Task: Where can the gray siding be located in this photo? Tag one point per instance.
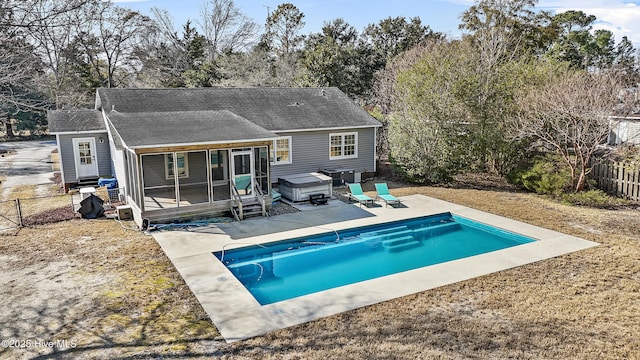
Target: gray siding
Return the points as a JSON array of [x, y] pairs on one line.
[[310, 152], [67, 156]]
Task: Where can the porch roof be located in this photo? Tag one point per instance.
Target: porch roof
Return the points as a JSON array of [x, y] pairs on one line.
[[153, 129]]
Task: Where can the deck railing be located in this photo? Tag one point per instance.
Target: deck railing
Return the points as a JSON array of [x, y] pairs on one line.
[[236, 201]]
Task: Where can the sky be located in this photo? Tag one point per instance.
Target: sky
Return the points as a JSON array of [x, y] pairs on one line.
[[619, 16]]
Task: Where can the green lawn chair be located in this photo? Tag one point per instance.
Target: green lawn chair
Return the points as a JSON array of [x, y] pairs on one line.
[[357, 194], [383, 193]]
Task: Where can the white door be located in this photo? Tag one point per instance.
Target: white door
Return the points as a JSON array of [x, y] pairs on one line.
[[242, 172], [85, 154]]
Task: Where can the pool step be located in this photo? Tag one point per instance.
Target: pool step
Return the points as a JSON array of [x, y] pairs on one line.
[[378, 236], [400, 243]]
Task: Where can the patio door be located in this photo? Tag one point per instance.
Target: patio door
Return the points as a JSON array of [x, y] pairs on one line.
[[242, 171], [85, 157]]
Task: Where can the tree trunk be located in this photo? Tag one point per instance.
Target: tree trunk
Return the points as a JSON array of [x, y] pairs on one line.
[[9, 127], [582, 180]]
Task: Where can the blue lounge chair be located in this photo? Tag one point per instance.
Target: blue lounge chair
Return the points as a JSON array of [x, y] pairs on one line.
[[383, 193], [357, 194]]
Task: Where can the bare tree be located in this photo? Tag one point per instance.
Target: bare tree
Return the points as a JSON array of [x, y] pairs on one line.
[[22, 71], [52, 37], [569, 112], [226, 28], [110, 40]]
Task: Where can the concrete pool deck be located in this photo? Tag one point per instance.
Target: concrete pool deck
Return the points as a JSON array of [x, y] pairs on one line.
[[237, 315]]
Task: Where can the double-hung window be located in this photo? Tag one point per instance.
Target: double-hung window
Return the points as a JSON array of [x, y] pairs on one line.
[[343, 145], [281, 151]]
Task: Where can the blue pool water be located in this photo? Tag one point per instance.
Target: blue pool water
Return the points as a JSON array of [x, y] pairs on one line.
[[286, 269]]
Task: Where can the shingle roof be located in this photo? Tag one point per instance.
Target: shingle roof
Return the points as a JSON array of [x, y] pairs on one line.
[[187, 127], [61, 121], [275, 109]]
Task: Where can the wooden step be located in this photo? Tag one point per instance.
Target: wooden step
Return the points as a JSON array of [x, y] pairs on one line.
[[91, 181]]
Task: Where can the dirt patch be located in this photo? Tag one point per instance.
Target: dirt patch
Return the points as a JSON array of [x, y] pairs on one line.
[[107, 291], [114, 293], [50, 216]]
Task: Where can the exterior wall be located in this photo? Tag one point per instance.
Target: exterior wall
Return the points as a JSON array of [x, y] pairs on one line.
[[624, 131], [119, 167], [67, 156], [310, 153]]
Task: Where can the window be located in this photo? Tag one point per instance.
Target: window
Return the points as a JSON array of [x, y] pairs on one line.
[[343, 145], [281, 151], [181, 165]]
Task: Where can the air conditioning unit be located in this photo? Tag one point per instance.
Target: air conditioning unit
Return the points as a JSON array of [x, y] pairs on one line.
[[340, 176]]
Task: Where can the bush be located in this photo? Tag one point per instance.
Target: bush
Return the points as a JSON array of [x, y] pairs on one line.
[[594, 198], [545, 175]]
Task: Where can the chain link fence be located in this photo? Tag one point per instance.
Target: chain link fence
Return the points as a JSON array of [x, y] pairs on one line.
[[9, 218], [18, 213]]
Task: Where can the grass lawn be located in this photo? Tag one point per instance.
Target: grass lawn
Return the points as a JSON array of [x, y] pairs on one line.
[[112, 293]]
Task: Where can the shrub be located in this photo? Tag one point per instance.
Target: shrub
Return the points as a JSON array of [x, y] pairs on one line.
[[545, 175], [594, 198]]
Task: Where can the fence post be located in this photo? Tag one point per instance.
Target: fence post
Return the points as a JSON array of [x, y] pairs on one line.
[[18, 212]]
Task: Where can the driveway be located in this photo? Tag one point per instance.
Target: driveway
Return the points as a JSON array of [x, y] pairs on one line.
[[25, 163]]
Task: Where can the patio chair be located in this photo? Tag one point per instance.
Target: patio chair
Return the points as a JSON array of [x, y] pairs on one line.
[[356, 193], [383, 193], [243, 183]]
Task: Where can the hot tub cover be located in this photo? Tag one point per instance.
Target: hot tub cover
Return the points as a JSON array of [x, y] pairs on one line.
[[304, 180]]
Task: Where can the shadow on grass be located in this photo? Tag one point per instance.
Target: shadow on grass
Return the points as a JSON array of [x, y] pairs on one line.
[[55, 331]]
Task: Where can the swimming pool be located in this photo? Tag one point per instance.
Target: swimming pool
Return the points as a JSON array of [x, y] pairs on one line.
[[291, 268]]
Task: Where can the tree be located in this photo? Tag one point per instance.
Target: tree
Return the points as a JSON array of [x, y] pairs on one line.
[[392, 36], [576, 44], [330, 58], [428, 141], [381, 42], [110, 41], [568, 111], [46, 26], [226, 29], [280, 44], [626, 61], [20, 69], [172, 60], [283, 28], [524, 30], [499, 43]]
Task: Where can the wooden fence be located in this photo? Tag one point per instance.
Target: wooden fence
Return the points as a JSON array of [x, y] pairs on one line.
[[618, 178]]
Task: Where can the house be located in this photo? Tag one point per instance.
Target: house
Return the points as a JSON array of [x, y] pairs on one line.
[[624, 130], [180, 152]]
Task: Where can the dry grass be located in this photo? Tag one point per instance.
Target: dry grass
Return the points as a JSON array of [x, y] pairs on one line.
[[116, 294]]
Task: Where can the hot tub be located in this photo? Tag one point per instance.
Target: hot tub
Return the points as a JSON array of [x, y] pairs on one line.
[[298, 187]]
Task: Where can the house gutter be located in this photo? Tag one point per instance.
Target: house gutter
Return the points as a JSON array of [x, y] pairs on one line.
[[327, 128], [202, 143]]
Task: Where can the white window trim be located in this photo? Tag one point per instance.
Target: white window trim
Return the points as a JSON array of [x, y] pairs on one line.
[[166, 166], [342, 145], [274, 151]]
